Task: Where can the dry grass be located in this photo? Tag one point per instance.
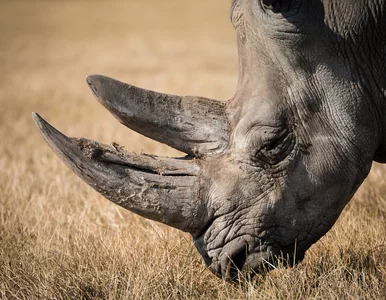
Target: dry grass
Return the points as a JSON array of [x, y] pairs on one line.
[[60, 239]]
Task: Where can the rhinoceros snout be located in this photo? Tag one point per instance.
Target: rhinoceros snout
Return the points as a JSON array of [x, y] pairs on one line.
[[243, 266]]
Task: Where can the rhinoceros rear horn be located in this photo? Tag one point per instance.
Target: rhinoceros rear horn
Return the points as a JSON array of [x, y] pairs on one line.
[[194, 125], [161, 189]]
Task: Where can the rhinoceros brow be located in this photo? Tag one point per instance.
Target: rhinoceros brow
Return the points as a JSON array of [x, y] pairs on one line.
[[271, 127]]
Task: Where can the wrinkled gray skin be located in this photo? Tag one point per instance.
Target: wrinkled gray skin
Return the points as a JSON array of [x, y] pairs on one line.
[[269, 172]]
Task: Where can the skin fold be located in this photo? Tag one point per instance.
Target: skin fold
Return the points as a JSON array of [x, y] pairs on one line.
[[267, 173]]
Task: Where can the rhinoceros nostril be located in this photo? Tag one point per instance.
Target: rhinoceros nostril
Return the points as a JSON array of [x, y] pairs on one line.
[[273, 5], [237, 263]]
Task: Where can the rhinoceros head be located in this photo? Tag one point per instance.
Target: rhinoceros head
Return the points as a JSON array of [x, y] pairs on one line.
[[268, 172]]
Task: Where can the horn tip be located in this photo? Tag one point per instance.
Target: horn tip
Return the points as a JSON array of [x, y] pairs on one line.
[[39, 121], [94, 82], [95, 78], [49, 133], [90, 78]]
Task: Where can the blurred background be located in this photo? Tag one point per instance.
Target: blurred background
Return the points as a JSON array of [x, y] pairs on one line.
[[48, 47]]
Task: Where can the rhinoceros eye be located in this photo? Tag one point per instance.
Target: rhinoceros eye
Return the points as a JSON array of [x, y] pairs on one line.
[[275, 149]]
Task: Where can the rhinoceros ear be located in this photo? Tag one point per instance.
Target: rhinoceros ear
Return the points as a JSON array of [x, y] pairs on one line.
[[194, 125], [276, 5], [380, 155]]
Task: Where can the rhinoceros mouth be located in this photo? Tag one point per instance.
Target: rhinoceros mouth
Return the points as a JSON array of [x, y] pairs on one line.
[[245, 266], [246, 256], [242, 265]]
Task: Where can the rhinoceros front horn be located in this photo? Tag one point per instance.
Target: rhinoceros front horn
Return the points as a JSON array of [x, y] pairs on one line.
[[161, 189]]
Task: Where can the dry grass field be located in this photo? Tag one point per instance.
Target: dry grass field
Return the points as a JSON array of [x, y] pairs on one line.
[[58, 238]]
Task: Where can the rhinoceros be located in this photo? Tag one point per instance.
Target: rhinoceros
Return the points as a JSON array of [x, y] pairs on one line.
[[267, 173]]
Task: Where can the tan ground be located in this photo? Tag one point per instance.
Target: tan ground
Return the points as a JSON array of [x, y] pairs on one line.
[[58, 238]]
